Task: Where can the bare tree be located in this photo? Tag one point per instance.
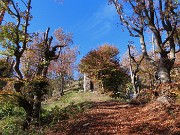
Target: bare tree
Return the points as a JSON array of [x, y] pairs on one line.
[[161, 18], [133, 72]]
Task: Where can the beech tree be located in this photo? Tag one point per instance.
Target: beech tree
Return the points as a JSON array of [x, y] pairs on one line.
[[63, 68], [43, 51], [102, 66], [17, 41], [141, 71], [162, 19]]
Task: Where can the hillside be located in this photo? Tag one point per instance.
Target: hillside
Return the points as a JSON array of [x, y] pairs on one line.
[[114, 117]]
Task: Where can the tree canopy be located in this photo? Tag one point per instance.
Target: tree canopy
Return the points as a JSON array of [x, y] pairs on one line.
[[102, 65]]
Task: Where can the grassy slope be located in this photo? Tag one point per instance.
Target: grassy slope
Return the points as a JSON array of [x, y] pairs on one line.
[[111, 117], [75, 97], [118, 118], [71, 112]]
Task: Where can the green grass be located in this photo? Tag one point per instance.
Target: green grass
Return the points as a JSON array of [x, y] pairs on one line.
[[75, 97], [53, 111], [68, 106]]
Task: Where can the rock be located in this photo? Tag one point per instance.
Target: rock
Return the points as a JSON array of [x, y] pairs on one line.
[[163, 100]]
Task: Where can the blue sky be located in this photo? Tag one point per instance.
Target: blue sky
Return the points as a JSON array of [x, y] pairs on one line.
[[92, 22]]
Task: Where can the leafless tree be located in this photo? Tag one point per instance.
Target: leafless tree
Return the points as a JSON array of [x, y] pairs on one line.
[[161, 18]]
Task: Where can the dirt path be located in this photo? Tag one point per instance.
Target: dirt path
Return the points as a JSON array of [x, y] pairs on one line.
[[115, 118]]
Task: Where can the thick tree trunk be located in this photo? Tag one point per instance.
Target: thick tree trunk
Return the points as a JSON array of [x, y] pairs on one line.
[[29, 111], [164, 69], [25, 104], [37, 112], [164, 74]]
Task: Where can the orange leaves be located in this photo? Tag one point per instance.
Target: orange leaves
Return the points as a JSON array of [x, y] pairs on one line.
[[6, 93], [108, 50], [102, 65], [104, 57]]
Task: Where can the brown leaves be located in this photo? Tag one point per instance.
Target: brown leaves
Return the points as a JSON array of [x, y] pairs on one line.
[[120, 118], [104, 57]]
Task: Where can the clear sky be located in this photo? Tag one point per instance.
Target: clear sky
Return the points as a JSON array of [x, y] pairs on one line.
[[92, 22]]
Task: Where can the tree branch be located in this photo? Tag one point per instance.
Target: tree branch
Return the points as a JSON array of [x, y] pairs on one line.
[[170, 35], [26, 26]]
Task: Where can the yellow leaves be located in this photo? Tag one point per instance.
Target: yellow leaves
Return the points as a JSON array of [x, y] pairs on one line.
[[8, 89], [6, 93]]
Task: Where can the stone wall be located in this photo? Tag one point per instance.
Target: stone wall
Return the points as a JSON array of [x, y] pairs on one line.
[[88, 84]]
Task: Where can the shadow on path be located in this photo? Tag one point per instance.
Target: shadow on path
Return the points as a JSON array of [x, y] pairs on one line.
[[109, 118]]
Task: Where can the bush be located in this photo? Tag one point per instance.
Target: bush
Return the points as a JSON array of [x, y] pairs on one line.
[[11, 125], [10, 108], [11, 116]]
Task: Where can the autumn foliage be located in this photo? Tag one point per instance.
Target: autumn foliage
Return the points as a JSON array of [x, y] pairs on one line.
[[31, 55], [102, 65]]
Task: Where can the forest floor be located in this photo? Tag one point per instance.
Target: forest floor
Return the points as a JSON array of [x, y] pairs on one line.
[[120, 118]]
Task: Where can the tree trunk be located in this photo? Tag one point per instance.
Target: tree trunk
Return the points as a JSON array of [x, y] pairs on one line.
[[61, 91], [84, 82], [164, 69], [45, 70], [29, 111], [135, 83], [134, 77], [25, 104], [164, 74], [37, 112], [16, 67]]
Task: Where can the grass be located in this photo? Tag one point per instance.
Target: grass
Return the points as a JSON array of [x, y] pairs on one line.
[[75, 97], [69, 106], [53, 111]]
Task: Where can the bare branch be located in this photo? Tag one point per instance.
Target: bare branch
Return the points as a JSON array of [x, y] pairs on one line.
[[46, 35], [18, 17], [24, 3], [162, 15], [26, 26], [170, 35], [151, 7]]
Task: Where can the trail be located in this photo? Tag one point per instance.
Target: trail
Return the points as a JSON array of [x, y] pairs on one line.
[[116, 118]]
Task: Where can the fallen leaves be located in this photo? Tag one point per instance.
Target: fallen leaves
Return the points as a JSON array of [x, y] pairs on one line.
[[106, 118]]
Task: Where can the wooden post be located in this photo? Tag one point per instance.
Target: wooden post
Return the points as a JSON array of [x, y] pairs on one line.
[[85, 82]]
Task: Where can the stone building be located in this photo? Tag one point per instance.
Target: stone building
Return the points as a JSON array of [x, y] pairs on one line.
[[88, 84]]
